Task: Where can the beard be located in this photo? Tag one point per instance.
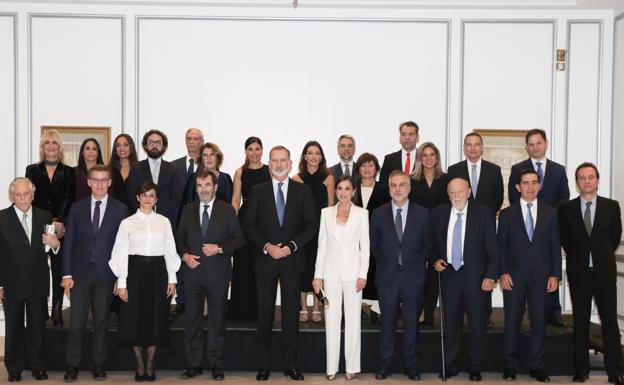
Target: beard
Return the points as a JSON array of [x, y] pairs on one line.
[[155, 153], [279, 173]]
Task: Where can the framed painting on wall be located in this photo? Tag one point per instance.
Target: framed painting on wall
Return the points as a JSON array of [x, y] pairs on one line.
[[73, 136]]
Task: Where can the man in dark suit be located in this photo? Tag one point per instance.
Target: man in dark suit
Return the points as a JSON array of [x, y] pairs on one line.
[[280, 220], [346, 165], [24, 279], [185, 168], [401, 241], [208, 234], [530, 266], [405, 158], [91, 229], [466, 255], [554, 191], [591, 229], [157, 170]]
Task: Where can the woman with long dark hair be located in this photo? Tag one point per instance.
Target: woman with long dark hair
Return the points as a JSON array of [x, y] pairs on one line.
[[89, 155], [123, 156]]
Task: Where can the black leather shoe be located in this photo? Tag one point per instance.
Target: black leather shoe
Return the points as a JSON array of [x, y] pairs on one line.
[[448, 374], [15, 377], [539, 374], [149, 377], [556, 322], [191, 372], [294, 374], [217, 374], [71, 374], [40, 375], [98, 373], [382, 374], [139, 377], [412, 374], [475, 376], [617, 380], [509, 374], [263, 375], [580, 377]]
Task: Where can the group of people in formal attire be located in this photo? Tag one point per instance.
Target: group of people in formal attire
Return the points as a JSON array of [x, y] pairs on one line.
[[145, 231]]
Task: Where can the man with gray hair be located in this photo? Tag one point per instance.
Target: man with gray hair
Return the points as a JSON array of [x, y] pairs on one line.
[[25, 279], [346, 152]]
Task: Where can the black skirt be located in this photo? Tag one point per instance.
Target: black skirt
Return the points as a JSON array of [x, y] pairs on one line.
[[144, 319]]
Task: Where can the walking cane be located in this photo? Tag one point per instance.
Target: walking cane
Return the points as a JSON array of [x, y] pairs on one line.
[[441, 326]]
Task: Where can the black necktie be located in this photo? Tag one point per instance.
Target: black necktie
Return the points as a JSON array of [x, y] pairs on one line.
[[95, 224], [398, 227], [191, 168], [205, 219]]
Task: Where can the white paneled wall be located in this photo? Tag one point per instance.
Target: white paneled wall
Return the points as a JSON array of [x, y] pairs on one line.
[[8, 102], [618, 143]]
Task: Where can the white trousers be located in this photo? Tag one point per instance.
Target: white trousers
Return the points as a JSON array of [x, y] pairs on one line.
[[335, 291]]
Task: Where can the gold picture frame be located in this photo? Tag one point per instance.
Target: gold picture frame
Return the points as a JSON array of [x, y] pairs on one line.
[[504, 148], [73, 136]]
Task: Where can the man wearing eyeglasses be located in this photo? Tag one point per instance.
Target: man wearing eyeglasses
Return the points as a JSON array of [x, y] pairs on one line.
[[159, 171]]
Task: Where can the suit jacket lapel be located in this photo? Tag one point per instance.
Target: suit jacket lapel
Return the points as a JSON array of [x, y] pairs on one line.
[[146, 171], [599, 214], [18, 223], [289, 195], [444, 232], [520, 218]]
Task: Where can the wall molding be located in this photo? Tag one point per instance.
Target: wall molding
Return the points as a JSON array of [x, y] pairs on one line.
[[13, 16], [462, 51], [33, 16], [614, 78]]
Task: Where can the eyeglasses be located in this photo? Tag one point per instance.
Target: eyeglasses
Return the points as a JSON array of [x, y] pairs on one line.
[[156, 143], [211, 155]]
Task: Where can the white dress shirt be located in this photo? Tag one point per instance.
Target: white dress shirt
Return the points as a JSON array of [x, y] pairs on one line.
[[195, 163], [20, 216], [449, 233], [403, 213], [154, 168], [102, 208], [523, 205], [478, 164], [351, 165], [146, 235], [284, 189], [412, 159], [201, 209], [534, 163]]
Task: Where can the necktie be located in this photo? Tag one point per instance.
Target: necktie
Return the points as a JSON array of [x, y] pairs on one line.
[[408, 166], [398, 227], [155, 173], [191, 168], [540, 172], [205, 219], [347, 172], [95, 224], [474, 182], [281, 203], [588, 226], [456, 246], [528, 223], [25, 225], [190, 186]]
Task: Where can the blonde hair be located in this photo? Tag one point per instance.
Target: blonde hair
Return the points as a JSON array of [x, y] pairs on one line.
[[419, 169], [55, 136]]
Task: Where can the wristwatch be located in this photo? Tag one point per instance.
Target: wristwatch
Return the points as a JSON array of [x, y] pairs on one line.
[[220, 250]]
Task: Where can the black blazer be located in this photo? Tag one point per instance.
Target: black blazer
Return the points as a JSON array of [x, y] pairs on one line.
[[429, 197], [391, 162], [223, 230], [24, 267], [337, 171], [490, 189], [554, 188], [480, 251], [602, 243], [55, 196], [529, 261], [379, 197], [168, 188], [261, 225]]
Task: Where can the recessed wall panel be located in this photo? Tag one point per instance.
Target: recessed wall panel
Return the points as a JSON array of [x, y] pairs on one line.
[[7, 101]]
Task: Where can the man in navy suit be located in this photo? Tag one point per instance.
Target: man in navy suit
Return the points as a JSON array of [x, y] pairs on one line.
[[401, 241], [554, 191], [91, 229], [466, 257], [405, 158], [346, 165], [530, 267], [159, 171]]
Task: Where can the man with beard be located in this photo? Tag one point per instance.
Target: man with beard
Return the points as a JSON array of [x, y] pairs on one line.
[[405, 158], [208, 235], [157, 170], [346, 166], [280, 220]]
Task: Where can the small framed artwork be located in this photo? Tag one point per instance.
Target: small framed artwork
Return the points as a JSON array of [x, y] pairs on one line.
[[73, 136]]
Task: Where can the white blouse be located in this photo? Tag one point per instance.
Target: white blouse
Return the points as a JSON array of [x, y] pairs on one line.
[[147, 235]]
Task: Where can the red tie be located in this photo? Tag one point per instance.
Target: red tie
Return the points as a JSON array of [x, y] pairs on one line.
[[407, 169]]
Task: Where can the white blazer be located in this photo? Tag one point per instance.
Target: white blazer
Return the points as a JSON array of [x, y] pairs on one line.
[[343, 255]]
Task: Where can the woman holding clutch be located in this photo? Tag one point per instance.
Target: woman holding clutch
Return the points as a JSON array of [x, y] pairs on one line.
[[341, 267]]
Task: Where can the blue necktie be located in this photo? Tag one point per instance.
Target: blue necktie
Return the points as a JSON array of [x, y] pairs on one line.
[[540, 172], [398, 227], [473, 181], [281, 203], [456, 246], [528, 223]]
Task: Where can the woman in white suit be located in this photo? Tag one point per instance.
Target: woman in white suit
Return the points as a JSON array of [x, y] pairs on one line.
[[341, 266]]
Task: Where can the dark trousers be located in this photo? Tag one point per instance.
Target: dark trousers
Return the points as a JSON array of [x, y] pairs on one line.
[[431, 293], [534, 295], [216, 295], [88, 292], [180, 290], [605, 295], [402, 293], [266, 290], [24, 347], [457, 298], [552, 305]]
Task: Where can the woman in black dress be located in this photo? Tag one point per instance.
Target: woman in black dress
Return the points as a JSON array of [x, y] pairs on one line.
[[429, 190], [370, 194], [90, 154], [54, 191], [243, 289], [122, 158], [211, 158], [314, 173]]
